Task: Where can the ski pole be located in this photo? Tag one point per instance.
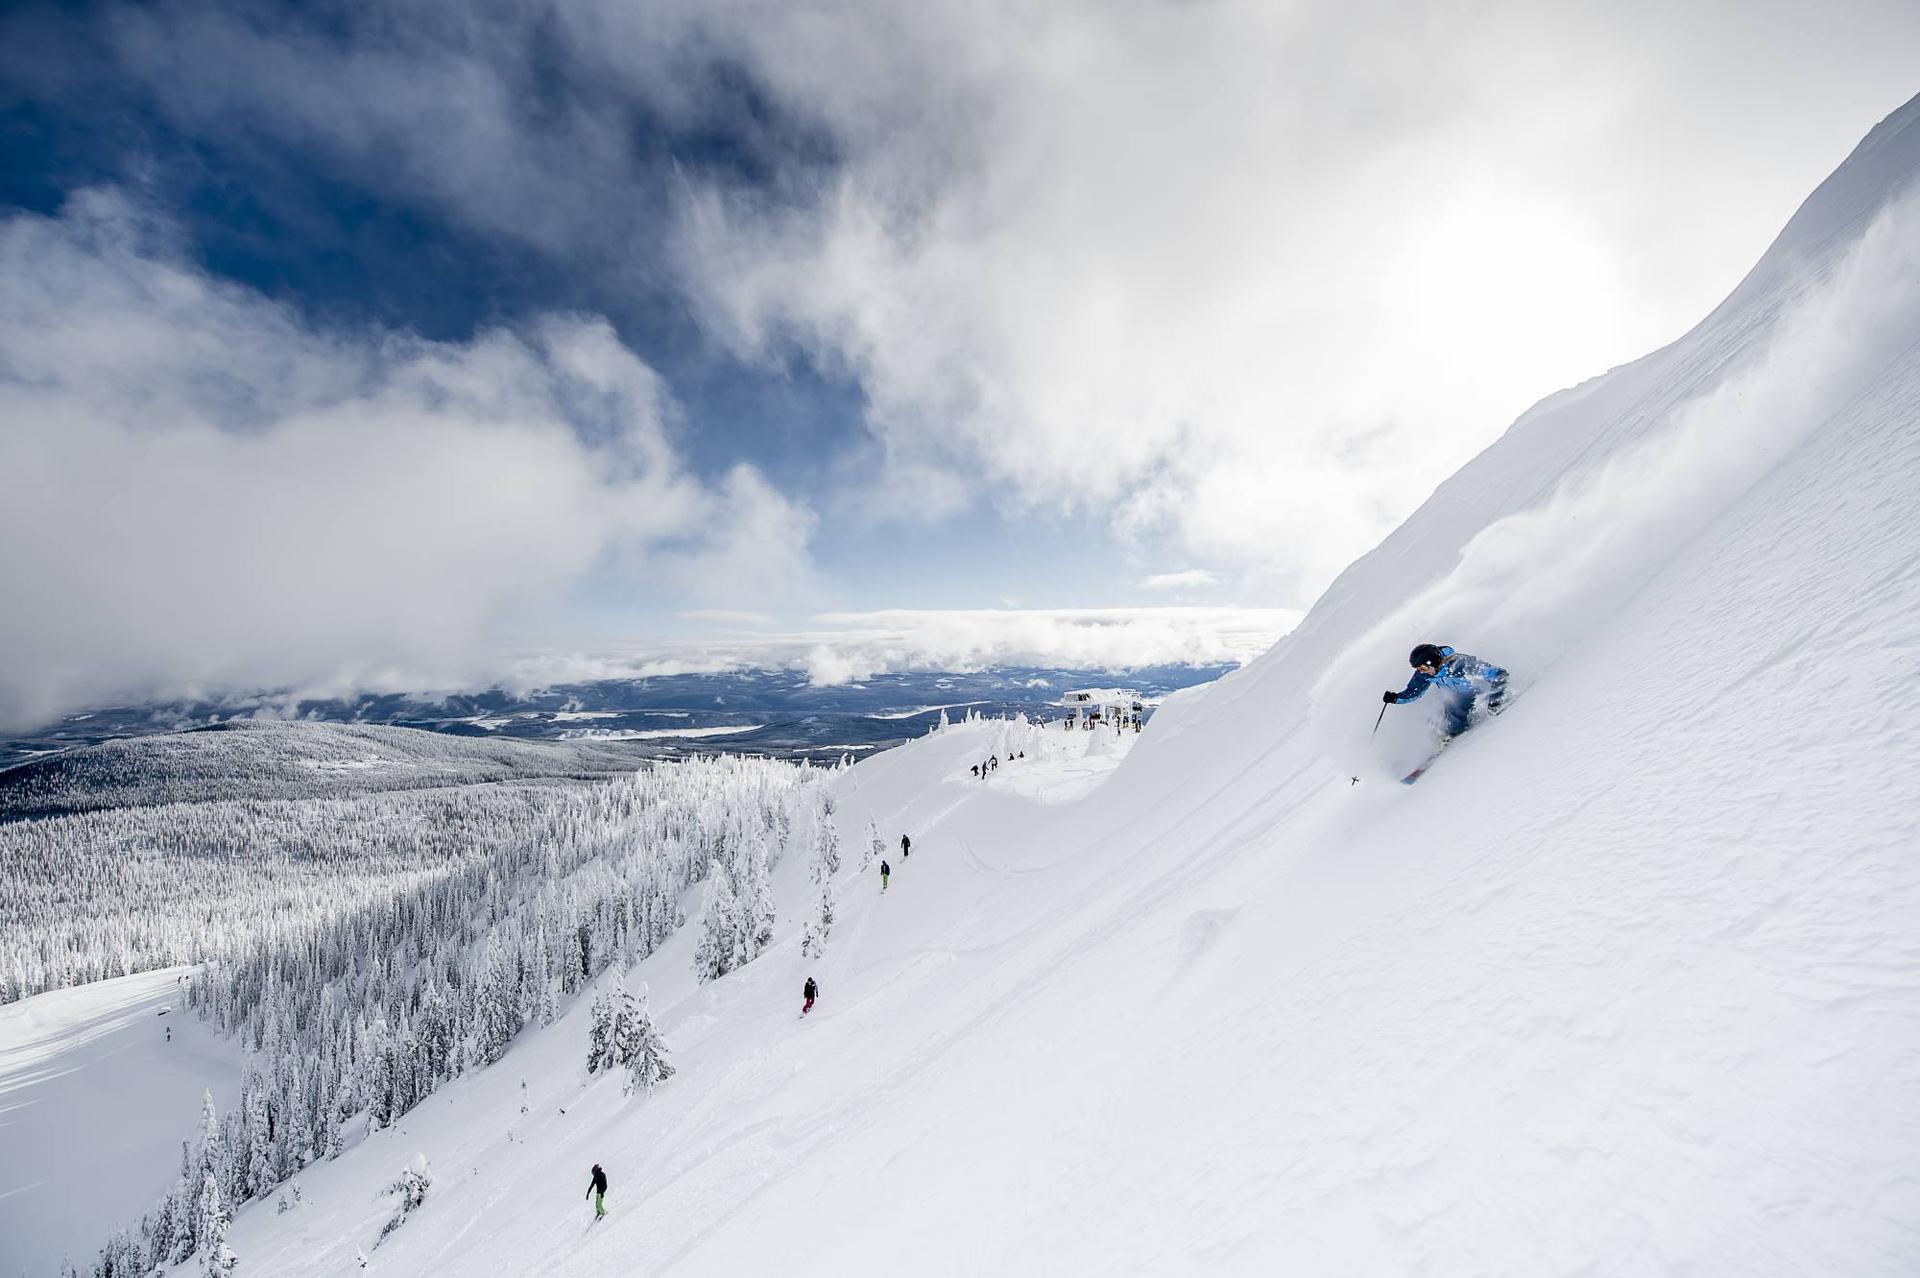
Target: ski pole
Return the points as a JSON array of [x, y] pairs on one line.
[[1376, 722]]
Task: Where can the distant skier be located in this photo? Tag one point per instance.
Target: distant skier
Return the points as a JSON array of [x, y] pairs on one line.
[[811, 991], [597, 1190], [906, 847], [1462, 679], [885, 870]]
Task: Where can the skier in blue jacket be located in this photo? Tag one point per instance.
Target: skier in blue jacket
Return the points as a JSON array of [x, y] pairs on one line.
[[1460, 678]]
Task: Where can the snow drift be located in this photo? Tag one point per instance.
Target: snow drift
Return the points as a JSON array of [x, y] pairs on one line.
[[1629, 984]]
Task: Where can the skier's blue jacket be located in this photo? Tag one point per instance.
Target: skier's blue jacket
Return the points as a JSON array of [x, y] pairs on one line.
[[1460, 677]]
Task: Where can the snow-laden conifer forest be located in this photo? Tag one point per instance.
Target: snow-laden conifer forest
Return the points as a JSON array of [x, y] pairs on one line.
[[367, 944], [266, 759]]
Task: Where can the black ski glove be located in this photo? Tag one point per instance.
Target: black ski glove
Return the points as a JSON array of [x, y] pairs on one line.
[[1389, 697]]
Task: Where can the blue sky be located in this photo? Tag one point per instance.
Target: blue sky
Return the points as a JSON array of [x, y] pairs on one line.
[[346, 250], [574, 324]]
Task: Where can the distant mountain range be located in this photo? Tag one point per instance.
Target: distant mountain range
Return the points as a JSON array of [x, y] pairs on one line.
[[771, 712]]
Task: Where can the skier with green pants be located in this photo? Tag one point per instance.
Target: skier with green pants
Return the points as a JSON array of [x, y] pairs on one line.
[[597, 1188]]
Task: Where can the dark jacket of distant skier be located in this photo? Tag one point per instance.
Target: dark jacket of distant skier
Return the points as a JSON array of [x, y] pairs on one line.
[[1459, 678]]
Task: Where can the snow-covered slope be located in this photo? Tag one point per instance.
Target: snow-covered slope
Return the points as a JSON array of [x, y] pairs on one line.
[[98, 1085], [1629, 984]]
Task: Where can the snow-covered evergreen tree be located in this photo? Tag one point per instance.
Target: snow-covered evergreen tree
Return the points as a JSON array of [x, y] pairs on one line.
[[377, 1071], [757, 933], [159, 1230], [826, 862], [650, 1063], [434, 1028], [779, 823], [213, 1159], [122, 1257], [184, 1210], [260, 1158], [296, 1150], [497, 1007], [410, 1189], [210, 1226], [599, 1033], [336, 1134], [626, 1023], [826, 836], [823, 913], [720, 926]]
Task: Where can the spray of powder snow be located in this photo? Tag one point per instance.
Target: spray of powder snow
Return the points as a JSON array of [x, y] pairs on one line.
[[1531, 587]]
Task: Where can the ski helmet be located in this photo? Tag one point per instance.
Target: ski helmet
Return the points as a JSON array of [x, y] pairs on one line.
[[1426, 654]]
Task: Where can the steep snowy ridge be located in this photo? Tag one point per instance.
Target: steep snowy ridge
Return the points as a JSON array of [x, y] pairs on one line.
[[1628, 984], [1528, 549], [1880, 170]]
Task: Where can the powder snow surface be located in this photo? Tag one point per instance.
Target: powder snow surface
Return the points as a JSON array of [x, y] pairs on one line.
[[94, 1102], [1628, 984]]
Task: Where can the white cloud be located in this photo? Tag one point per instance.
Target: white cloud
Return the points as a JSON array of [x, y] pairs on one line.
[[849, 647], [1247, 279], [830, 665], [199, 492], [1253, 278], [859, 645], [1187, 579], [726, 617], [533, 672]]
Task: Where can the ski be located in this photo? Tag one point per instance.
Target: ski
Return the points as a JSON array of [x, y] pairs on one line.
[[1432, 759]]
